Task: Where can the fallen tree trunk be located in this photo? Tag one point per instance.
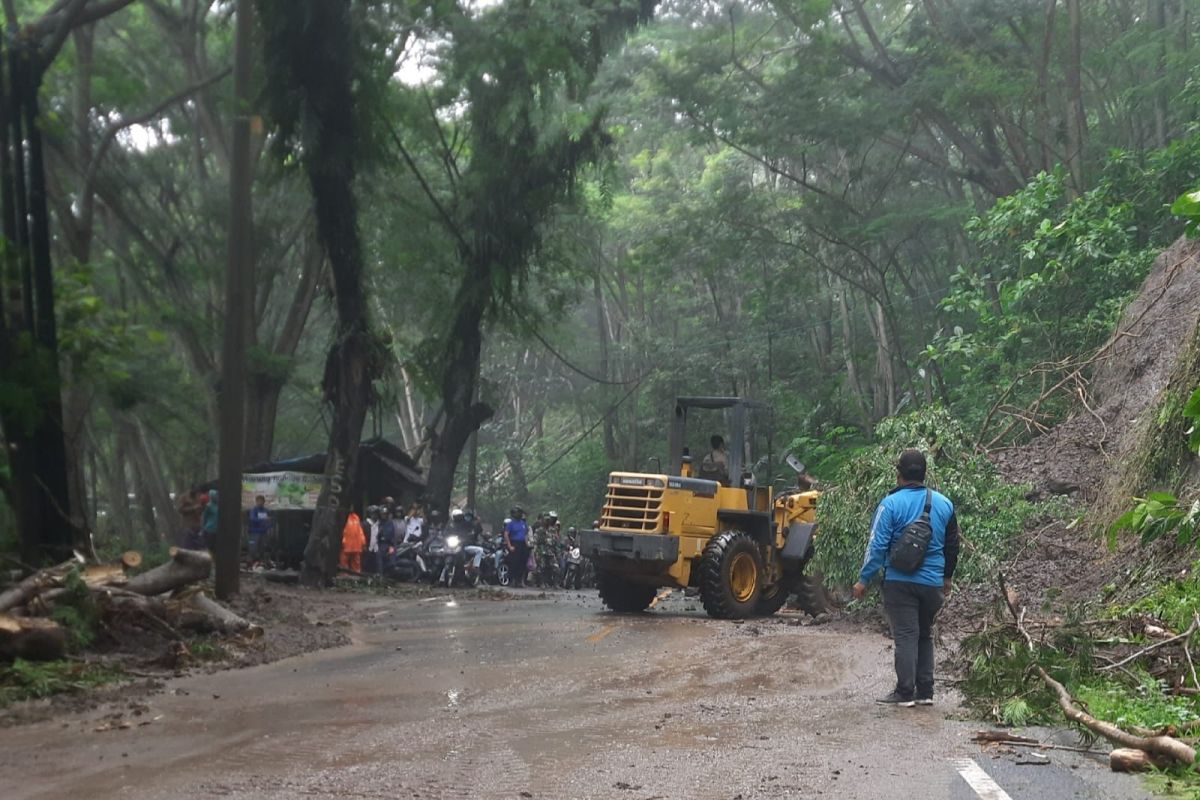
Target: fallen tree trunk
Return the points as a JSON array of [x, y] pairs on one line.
[[31, 638], [1166, 747], [185, 566], [20, 594], [220, 618]]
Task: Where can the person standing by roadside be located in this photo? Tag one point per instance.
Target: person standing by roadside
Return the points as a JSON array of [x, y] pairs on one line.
[[258, 523], [912, 597], [516, 539], [353, 542], [209, 520], [191, 537], [373, 563]]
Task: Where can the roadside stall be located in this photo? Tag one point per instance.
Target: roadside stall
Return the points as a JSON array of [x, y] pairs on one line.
[[291, 487]]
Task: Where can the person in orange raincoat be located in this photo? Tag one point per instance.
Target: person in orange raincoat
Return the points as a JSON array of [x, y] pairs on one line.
[[353, 542]]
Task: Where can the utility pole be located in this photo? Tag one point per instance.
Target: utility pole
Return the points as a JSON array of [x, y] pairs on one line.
[[233, 351]]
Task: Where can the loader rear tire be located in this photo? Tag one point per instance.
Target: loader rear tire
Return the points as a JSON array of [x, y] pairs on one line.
[[622, 595], [731, 576], [811, 597]]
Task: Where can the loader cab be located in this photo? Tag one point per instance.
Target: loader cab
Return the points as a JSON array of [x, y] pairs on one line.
[[744, 427]]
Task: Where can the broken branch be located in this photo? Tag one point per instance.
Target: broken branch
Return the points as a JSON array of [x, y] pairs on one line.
[[1163, 746]]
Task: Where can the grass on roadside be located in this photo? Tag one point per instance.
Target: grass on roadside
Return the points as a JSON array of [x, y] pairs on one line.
[[25, 680]]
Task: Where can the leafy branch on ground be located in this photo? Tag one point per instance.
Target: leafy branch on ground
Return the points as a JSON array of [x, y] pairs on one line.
[[1134, 668]]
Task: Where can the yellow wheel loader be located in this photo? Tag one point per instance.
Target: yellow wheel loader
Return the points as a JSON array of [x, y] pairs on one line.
[[708, 524]]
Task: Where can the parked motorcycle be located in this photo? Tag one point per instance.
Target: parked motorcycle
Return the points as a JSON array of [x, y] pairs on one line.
[[454, 564], [436, 555], [572, 577], [404, 562], [494, 569]]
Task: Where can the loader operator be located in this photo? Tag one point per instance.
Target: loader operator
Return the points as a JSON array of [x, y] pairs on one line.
[[715, 465], [912, 598]]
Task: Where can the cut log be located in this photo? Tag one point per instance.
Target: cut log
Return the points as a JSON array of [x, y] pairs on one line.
[[132, 559], [20, 594], [97, 575], [185, 566], [31, 638], [1129, 759]]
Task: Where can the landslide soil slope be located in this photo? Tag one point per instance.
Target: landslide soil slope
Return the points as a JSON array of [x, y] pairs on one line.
[[1059, 562]]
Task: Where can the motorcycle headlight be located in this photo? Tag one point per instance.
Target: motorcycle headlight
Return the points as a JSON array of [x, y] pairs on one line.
[[451, 541]]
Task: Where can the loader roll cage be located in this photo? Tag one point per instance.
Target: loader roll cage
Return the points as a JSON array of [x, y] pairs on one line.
[[735, 442]]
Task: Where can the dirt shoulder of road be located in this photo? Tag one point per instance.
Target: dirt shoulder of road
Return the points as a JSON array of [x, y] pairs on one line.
[[294, 621]]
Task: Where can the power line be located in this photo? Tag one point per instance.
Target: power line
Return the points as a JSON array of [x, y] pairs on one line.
[[680, 348], [586, 433]]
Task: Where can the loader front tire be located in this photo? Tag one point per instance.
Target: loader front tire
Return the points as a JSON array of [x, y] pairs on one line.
[[731, 576], [622, 595]]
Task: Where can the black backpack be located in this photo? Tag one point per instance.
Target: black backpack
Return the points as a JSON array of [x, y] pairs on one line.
[[908, 550]]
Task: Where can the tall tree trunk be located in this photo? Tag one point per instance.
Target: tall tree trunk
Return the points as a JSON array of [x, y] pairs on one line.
[[1042, 113], [239, 301], [1076, 119], [38, 489], [117, 483], [853, 384], [462, 414], [265, 388], [1159, 16], [313, 49], [152, 486]]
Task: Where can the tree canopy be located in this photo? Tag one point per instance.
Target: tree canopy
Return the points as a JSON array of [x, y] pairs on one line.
[[535, 222]]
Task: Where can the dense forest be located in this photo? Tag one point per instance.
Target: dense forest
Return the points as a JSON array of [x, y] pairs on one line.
[[542, 221]]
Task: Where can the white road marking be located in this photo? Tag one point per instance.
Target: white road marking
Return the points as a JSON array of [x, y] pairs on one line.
[[980, 781]]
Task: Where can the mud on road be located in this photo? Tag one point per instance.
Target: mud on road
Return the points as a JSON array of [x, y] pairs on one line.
[[450, 697]]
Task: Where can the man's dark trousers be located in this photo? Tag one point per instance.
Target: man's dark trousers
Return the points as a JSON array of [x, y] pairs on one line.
[[911, 608]]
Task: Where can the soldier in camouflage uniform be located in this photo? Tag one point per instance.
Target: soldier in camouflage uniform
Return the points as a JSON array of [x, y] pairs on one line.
[[546, 551]]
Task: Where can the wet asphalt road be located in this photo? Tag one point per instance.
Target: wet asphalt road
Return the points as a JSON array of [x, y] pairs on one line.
[[543, 698]]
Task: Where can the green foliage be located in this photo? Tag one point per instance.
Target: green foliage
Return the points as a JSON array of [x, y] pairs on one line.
[[77, 612], [1000, 683], [1160, 514], [1016, 712], [1187, 206], [1053, 273], [1156, 515], [829, 450], [1147, 704], [24, 680], [1174, 602], [990, 511]]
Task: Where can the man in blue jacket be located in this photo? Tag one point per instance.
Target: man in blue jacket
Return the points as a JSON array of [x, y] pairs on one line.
[[912, 599]]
